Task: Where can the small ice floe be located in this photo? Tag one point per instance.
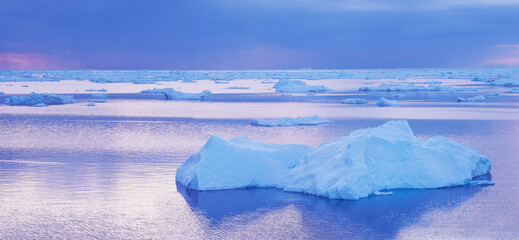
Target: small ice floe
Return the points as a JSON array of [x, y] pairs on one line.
[[514, 90], [507, 82], [494, 94], [383, 102], [39, 100], [481, 182], [171, 94], [286, 121], [298, 86], [234, 87], [96, 90], [478, 99], [433, 82], [398, 95], [354, 101], [482, 79], [380, 193], [189, 81]]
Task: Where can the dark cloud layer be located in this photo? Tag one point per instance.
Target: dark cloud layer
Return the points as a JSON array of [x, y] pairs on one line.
[[228, 34]]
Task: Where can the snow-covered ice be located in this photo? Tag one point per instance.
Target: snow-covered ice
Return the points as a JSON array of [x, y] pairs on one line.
[[298, 86], [482, 182], [356, 166], [171, 94], [507, 82], [286, 121], [494, 94], [354, 101], [383, 102], [39, 100], [380, 193], [234, 87], [478, 98], [395, 87]]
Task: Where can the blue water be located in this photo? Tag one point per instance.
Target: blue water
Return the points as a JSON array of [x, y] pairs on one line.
[[100, 177]]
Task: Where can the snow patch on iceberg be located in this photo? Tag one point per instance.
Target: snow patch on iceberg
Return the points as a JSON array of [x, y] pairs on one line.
[[172, 94], [359, 165], [286, 121], [298, 86], [39, 100], [239, 163]]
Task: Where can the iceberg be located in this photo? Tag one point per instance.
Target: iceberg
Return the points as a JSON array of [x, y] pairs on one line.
[[354, 101], [383, 102], [171, 94], [39, 100], [478, 98], [286, 121], [239, 163], [298, 86], [367, 162]]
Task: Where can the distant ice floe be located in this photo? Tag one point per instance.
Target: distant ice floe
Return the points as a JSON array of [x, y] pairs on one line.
[[494, 94], [367, 162], [2, 93], [383, 102], [295, 86], [398, 95], [39, 100], [507, 82], [393, 87], [233, 87], [189, 81], [354, 101], [482, 79], [514, 90], [96, 90], [478, 98], [286, 121], [172, 94]]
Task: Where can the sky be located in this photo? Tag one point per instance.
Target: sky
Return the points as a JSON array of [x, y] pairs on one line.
[[257, 34]]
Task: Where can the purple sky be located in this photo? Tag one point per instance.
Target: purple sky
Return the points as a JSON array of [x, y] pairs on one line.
[[257, 34]]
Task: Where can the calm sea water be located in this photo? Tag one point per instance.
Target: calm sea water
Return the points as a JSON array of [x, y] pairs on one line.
[[86, 177]]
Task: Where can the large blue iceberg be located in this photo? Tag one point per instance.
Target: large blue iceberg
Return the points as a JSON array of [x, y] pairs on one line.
[[355, 166]]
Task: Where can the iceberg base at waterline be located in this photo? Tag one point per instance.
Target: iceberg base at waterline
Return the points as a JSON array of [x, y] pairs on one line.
[[362, 164]]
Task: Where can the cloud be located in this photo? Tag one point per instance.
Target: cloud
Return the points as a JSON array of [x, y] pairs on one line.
[[34, 61], [504, 55]]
